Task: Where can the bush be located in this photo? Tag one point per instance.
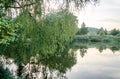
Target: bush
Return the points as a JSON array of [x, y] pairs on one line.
[[80, 38], [94, 39]]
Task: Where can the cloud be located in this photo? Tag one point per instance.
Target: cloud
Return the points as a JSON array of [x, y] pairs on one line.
[[110, 20], [106, 14]]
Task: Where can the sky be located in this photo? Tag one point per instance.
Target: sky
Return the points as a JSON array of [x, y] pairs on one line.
[[105, 14]]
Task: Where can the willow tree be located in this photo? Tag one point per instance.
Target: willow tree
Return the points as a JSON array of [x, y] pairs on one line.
[[44, 35], [38, 6], [30, 10], [56, 31]]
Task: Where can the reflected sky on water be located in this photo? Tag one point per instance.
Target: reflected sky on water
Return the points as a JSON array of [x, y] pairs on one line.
[[83, 63], [96, 65]]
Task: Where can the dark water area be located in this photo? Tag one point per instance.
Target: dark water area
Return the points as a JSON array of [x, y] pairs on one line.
[[78, 62]]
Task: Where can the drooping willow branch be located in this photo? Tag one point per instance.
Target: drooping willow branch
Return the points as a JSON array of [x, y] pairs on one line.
[[22, 6]]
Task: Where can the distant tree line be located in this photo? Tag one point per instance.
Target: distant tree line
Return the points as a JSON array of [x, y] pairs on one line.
[[114, 32], [100, 35], [84, 30]]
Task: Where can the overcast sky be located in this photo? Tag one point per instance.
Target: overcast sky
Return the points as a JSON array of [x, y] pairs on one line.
[[105, 14]]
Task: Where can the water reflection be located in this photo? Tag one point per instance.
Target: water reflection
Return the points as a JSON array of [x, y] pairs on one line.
[[40, 66], [96, 65], [86, 61], [100, 46], [96, 61]]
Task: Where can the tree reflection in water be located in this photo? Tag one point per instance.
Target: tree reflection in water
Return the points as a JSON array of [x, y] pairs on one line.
[[50, 66], [40, 66], [100, 46], [83, 50]]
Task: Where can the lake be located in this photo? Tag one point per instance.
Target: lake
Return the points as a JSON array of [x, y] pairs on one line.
[[83, 62], [96, 65]]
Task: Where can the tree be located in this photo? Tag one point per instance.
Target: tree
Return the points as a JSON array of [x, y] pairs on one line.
[[24, 5], [39, 6], [60, 61], [11, 4], [50, 35], [118, 34], [102, 32], [83, 30], [114, 32], [58, 30]]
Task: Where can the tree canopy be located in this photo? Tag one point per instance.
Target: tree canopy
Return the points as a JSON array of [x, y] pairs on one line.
[[53, 32], [102, 32], [38, 7], [11, 3], [115, 32], [83, 30]]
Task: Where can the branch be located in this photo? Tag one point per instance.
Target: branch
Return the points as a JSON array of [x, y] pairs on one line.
[[22, 6]]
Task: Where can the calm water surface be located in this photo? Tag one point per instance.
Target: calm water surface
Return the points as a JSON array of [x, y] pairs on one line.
[[96, 65], [87, 63]]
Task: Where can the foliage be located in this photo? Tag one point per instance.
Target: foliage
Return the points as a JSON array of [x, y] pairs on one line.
[[8, 32], [114, 32], [115, 48], [5, 74], [38, 6], [80, 38], [56, 31], [118, 34], [96, 39], [83, 30], [20, 50], [6, 3], [60, 61], [102, 32], [2, 13], [50, 35], [99, 45]]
